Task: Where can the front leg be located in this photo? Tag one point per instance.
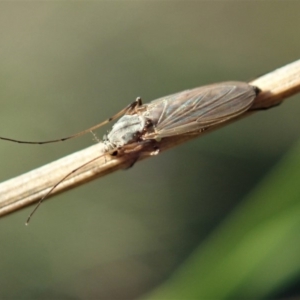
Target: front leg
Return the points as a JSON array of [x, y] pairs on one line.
[[138, 149]]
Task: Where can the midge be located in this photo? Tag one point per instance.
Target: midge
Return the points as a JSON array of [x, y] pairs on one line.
[[145, 125]]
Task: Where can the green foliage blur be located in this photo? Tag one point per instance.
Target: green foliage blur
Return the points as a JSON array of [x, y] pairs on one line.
[[255, 251], [216, 218]]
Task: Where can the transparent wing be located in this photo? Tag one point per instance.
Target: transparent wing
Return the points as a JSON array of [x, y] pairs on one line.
[[202, 107]]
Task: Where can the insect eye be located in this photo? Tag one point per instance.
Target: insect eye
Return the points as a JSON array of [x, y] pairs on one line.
[[148, 124], [114, 153]]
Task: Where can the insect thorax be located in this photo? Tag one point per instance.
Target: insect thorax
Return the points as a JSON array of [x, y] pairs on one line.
[[127, 130]]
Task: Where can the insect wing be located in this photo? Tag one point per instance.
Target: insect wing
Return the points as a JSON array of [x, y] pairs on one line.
[[198, 108]]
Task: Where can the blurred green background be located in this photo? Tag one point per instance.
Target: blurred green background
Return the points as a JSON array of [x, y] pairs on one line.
[[216, 218]]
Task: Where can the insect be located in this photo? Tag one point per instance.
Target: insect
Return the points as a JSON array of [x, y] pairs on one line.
[[143, 125]]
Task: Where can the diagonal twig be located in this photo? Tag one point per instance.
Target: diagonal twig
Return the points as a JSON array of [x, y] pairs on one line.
[[30, 187]]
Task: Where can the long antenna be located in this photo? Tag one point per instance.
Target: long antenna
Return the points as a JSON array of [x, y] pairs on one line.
[[57, 184], [129, 108]]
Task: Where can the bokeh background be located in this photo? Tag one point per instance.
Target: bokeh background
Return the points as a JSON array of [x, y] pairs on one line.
[[215, 218]]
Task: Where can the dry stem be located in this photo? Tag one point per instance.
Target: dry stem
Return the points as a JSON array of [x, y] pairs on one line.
[[28, 188]]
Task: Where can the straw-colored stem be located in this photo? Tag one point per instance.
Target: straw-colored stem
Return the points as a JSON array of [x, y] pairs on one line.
[[30, 187]]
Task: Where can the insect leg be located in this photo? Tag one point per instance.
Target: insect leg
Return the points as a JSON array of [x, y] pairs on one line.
[[134, 105], [141, 148], [265, 108]]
